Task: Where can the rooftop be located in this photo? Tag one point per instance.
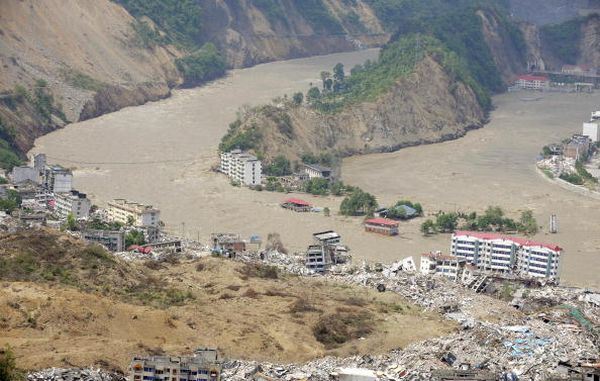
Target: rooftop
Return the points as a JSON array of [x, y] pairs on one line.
[[517, 240], [382, 222], [533, 78], [296, 201], [318, 167], [326, 235]]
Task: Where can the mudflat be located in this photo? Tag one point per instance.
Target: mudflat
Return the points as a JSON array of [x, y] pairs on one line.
[[161, 153]]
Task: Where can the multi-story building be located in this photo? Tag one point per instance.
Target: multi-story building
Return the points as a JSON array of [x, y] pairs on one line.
[[578, 148], [58, 179], [449, 266], [533, 82], [203, 365], [125, 211], [23, 174], [73, 202], [113, 240], [326, 252], [591, 130], [317, 171], [242, 167], [501, 253]]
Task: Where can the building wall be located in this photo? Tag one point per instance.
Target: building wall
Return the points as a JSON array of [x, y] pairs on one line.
[[591, 130], [67, 203], [503, 255], [121, 211], [21, 174]]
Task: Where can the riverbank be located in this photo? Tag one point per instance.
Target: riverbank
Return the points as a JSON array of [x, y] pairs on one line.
[[161, 153]]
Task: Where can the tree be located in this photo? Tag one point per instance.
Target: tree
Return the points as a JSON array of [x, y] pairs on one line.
[[71, 223], [8, 366], [134, 237], [358, 203], [528, 223], [313, 94], [427, 227], [325, 75], [317, 186], [279, 167], [338, 72], [298, 98], [446, 222], [397, 212], [326, 211]]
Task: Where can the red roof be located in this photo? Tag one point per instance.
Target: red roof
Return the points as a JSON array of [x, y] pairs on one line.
[[382, 221], [296, 201], [533, 78], [517, 240]]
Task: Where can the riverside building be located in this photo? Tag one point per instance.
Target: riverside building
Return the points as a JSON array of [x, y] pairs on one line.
[[507, 254], [124, 211], [241, 167]]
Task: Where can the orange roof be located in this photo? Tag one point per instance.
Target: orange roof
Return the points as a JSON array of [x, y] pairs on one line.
[[382, 222]]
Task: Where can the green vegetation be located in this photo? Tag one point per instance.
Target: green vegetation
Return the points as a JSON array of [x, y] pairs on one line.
[[493, 219], [572, 178], [236, 138], [181, 20], [272, 9], [563, 39], [71, 223], [323, 158], [80, 80], [203, 65], [134, 237], [98, 224], [298, 98], [317, 186], [8, 366], [318, 16], [398, 59], [584, 174], [399, 213], [358, 203], [344, 325], [11, 202]]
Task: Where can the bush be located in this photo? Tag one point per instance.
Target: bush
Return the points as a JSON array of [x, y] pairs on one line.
[[8, 367], [572, 178], [358, 203], [340, 327], [202, 65], [279, 167]]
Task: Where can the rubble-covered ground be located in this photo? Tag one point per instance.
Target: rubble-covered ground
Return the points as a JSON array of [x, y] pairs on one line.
[[526, 333]]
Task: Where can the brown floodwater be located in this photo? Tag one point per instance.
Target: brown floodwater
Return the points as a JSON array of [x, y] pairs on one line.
[[162, 153]]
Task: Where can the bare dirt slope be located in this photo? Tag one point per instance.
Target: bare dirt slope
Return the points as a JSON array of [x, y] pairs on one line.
[[61, 40], [246, 311], [423, 107]]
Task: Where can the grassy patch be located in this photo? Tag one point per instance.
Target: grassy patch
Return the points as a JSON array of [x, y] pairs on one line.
[[81, 81], [342, 326]]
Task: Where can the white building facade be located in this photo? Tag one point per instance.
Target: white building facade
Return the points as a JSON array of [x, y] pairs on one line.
[[242, 167], [74, 203], [58, 179], [448, 266], [507, 254], [592, 131], [124, 211], [533, 82]]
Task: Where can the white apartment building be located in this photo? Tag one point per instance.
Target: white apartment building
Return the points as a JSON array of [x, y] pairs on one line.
[[592, 131], [74, 203], [123, 211], [449, 266], [204, 365], [242, 167], [501, 253]]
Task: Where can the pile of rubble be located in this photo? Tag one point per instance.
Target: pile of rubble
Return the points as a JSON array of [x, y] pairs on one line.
[[73, 374]]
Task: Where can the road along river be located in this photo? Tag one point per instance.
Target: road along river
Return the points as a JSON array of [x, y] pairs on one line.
[[161, 153]]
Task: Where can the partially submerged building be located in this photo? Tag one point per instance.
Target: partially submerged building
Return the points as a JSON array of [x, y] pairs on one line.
[[578, 148], [203, 365], [58, 179], [533, 82], [227, 243], [296, 205], [383, 226], [241, 167], [507, 254]]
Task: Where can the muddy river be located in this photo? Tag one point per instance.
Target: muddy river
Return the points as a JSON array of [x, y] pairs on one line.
[[161, 153]]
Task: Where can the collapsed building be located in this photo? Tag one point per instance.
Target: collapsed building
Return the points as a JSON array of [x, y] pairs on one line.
[[326, 251]]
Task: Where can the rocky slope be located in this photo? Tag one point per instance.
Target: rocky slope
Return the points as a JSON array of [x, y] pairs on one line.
[[249, 33], [426, 106]]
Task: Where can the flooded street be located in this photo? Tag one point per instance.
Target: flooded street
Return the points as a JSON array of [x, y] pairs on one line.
[[161, 153]]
